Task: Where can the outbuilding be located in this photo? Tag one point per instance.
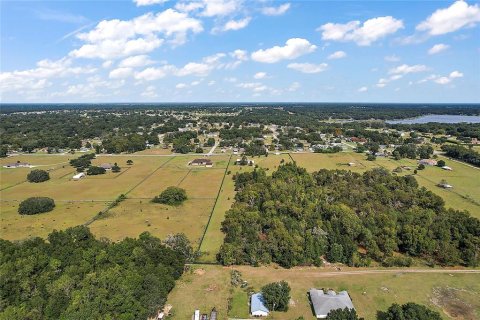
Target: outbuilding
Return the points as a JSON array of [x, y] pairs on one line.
[[78, 176], [257, 306]]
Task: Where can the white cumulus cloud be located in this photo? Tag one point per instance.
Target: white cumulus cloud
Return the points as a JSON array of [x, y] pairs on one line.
[[260, 75], [140, 3], [136, 61], [362, 89], [233, 25], [308, 67], [337, 55], [362, 34], [293, 48], [438, 48], [276, 11], [120, 73], [459, 15], [405, 69]]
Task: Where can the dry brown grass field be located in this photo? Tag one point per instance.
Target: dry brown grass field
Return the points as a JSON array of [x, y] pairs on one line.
[[134, 216], [14, 226]]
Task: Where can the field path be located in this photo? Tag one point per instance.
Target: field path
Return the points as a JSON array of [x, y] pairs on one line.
[[319, 272]]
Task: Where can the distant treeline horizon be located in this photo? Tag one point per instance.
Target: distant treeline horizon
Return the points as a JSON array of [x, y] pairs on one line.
[[411, 109]]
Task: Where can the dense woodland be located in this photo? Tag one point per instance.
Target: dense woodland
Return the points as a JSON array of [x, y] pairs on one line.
[[75, 276], [462, 153], [294, 218]]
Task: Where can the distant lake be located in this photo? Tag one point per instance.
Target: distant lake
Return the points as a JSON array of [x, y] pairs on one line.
[[443, 118]]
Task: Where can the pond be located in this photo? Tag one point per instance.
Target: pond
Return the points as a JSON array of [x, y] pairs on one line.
[[440, 118]]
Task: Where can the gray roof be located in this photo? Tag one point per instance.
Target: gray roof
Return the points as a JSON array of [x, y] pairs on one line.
[[323, 303]]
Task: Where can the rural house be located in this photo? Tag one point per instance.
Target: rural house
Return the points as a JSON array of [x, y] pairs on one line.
[[201, 162], [106, 166], [17, 164], [428, 162], [323, 303]]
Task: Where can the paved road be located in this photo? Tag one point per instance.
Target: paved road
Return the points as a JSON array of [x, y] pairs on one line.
[[213, 148]]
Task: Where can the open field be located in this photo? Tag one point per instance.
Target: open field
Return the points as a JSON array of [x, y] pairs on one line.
[[209, 286], [146, 178], [134, 216], [57, 165], [66, 214]]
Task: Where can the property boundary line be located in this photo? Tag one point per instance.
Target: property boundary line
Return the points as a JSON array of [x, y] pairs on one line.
[[214, 205], [148, 176]]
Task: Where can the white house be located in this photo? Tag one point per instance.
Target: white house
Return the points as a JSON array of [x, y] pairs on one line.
[[257, 306], [78, 176]]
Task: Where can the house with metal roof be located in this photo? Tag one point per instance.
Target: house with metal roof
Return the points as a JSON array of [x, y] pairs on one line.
[[324, 302], [257, 306]]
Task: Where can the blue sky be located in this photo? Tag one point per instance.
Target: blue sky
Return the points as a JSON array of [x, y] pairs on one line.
[[228, 50]]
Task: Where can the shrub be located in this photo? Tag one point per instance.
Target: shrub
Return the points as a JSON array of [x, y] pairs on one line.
[[38, 175], [441, 163], [409, 311], [116, 168], [172, 196], [36, 205], [129, 162], [343, 314], [93, 171]]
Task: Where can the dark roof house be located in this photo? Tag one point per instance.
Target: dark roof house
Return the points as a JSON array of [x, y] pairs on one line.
[[201, 162]]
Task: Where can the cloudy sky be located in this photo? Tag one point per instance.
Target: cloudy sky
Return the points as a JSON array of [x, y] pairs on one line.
[[232, 50]]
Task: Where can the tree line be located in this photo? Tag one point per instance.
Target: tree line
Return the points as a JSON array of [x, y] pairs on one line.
[[296, 218]]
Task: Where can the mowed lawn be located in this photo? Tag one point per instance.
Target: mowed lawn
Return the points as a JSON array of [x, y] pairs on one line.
[[209, 286], [14, 226], [134, 216]]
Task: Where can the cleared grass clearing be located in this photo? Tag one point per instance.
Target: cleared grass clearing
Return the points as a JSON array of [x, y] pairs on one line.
[[66, 214], [316, 161], [134, 216], [202, 287], [369, 292], [157, 182], [203, 183]]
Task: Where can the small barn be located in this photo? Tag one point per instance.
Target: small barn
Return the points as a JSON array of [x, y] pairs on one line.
[[257, 306], [78, 176]]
